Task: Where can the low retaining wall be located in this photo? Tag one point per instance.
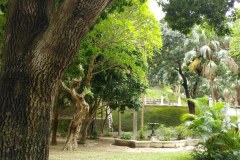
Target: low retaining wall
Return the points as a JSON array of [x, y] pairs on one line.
[[156, 144]]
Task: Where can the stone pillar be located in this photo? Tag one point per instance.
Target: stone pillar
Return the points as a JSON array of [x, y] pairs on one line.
[[210, 101], [142, 113], [134, 123], [119, 123], [179, 101], [110, 118], [161, 101], [142, 117]]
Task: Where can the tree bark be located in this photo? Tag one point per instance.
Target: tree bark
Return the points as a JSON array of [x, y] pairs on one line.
[[89, 119], [191, 105], [54, 126], [40, 42], [82, 109], [84, 130]]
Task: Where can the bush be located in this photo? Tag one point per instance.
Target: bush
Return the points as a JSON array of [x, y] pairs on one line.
[[222, 146], [94, 135], [142, 133], [63, 127], [222, 141], [107, 134], [166, 133], [182, 131], [126, 136]]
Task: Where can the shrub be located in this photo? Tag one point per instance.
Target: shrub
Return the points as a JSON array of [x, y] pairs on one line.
[[182, 131], [107, 134], [126, 136], [142, 132], [222, 146], [94, 135], [222, 141], [166, 133]]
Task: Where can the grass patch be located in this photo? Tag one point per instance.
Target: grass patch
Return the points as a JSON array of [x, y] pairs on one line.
[[91, 155], [153, 93]]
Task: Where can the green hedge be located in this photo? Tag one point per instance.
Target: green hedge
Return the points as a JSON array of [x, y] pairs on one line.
[[168, 115]]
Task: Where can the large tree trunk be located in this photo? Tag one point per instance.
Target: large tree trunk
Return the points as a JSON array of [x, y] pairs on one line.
[[89, 119], [54, 125], [74, 129], [84, 129], [82, 110], [40, 42]]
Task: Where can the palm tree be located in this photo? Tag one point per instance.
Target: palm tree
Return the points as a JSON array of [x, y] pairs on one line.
[[214, 62]]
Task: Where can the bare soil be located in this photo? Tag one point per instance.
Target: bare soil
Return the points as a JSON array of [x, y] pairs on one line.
[[107, 144]]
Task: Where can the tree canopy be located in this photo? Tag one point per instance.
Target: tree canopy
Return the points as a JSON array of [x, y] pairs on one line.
[[183, 15]]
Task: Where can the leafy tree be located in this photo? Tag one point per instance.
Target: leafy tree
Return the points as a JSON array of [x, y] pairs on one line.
[[214, 62], [183, 15], [171, 70], [234, 48], [119, 41]]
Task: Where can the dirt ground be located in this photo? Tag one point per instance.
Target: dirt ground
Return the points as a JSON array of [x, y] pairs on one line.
[[107, 144], [104, 149]]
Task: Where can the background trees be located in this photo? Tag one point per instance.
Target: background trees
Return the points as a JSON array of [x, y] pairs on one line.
[[183, 15], [114, 57]]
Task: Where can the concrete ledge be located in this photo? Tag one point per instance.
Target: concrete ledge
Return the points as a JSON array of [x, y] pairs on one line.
[[155, 144]]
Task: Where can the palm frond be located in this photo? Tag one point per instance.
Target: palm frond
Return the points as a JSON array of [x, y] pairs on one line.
[[189, 56], [231, 64], [214, 45], [196, 63], [206, 52], [209, 70]]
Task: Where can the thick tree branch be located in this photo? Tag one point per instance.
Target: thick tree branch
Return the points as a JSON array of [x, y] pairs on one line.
[[90, 70], [26, 20]]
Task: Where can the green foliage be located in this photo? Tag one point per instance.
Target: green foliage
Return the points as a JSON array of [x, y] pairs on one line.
[[126, 136], [88, 91], [121, 43], [94, 135], [166, 133], [165, 91], [63, 126], [183, 15], [107, 134], [220, 142], [121, 39], [142, 132], [173, 132], [222, 146], [169, 116], [234, 42], [182, 131], [119, 89], [165, 66]]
